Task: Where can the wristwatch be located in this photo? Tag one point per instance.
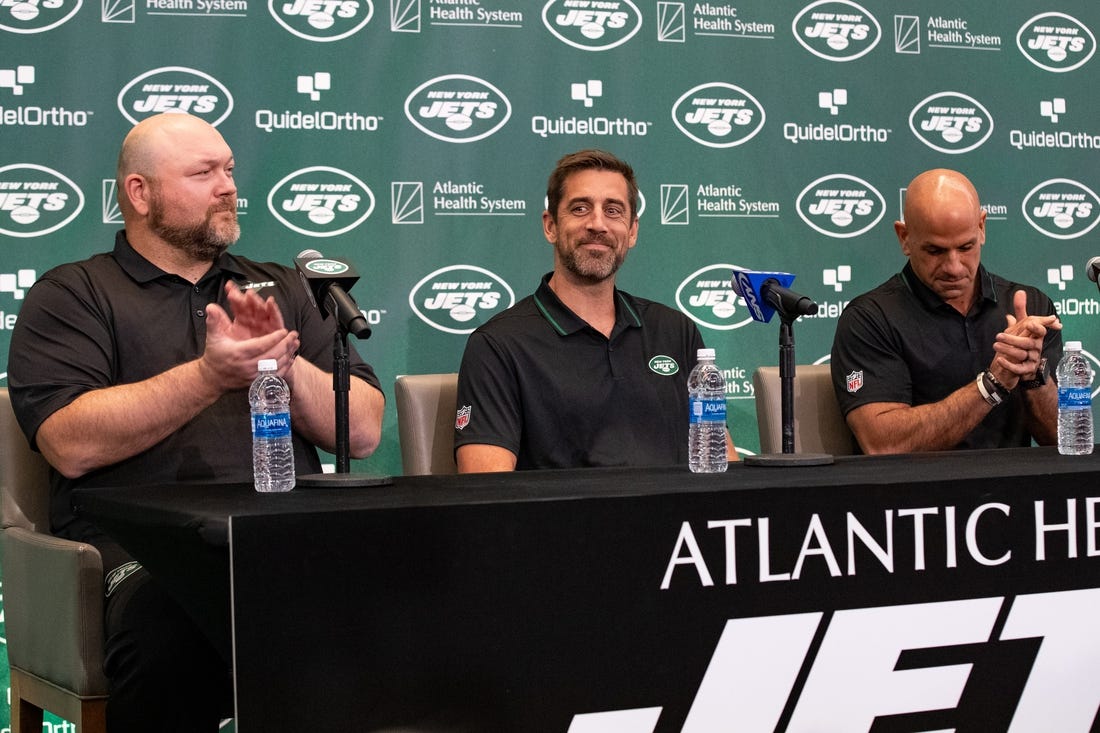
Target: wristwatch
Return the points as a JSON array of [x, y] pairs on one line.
[[1038, 379]]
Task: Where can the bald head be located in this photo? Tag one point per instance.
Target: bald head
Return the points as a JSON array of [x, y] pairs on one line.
[[148, 144], [937, 192], [943, 234]]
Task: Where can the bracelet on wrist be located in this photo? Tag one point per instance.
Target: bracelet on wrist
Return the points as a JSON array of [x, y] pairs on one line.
[[986, 389]]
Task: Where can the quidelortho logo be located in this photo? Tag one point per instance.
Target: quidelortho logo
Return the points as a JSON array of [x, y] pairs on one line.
[[1062, 208], [322, 20], [587, 93], [459, 298], [706, 296], [836, 30], [33, 16], [840, 206], [951, 122], [592, 25], [718, 115], [36, 200], [321, 201], [1056, 42], [17, 82], [175, 89], [458, 108]]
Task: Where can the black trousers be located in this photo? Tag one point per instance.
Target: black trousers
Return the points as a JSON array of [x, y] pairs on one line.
[[163, 673]]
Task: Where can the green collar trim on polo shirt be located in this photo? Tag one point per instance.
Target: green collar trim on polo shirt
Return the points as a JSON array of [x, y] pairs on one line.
[[546, 314], [629, 309]]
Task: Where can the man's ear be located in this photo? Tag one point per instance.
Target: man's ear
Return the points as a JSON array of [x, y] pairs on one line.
[[902, 233], [136, 189]]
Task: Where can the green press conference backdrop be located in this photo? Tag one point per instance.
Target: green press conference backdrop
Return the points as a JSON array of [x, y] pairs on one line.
[[414, 137]]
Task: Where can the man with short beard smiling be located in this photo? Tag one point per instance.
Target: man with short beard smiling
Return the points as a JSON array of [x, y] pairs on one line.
[[132, 368], [579, 373]]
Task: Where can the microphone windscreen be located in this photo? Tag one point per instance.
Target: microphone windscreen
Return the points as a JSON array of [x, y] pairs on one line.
[[1092, 268], [309, 254]]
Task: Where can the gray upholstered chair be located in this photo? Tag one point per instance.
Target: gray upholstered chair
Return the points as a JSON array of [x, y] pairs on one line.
[[426, 406], [818, 425], [53, 598]]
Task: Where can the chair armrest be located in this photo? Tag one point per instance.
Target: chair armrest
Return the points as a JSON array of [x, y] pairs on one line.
[[53, 609]]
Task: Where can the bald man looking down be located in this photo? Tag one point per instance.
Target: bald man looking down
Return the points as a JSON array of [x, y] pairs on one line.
[[945, 354]]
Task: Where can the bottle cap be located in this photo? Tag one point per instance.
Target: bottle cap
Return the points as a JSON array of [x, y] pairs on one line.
[[267, 365], [1073, 346], [704, 354]]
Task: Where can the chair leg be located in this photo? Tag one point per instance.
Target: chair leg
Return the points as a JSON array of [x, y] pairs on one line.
[[93, 717], [25, 716]]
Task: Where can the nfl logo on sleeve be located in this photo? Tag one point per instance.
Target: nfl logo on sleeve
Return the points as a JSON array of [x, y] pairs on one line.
[[462, 417], [855, 381]]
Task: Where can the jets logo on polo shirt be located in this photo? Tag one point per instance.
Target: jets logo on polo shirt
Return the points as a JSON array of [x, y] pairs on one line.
[[666, 366]]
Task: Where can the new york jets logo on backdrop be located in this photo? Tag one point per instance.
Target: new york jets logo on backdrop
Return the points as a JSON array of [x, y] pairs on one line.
[[1056, 42], [175, 89], [321, 201], [718, 115], [459, 298], [706, 296], [322, 20], [457, 108], [1062, 208], [36, 200], [32, 16], [836, 30], [592, 25], [951, 122], [840, 206]]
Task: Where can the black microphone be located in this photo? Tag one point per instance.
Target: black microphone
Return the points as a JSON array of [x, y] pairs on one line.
[[327, 282], [1092, 268], [767, 292]]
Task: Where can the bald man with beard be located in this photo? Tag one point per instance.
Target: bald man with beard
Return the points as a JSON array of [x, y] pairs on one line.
[[132, 368], [945, 354]]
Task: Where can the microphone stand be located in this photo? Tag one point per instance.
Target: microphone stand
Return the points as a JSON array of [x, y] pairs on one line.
[[786, 384], [341, 385]]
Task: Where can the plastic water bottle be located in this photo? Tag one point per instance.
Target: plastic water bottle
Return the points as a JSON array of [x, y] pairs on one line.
[[272, 446], [1074, 402], [707, 416]]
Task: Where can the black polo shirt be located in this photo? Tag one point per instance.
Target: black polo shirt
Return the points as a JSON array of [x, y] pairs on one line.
[[117, 319], [902, 343], [538, 380]]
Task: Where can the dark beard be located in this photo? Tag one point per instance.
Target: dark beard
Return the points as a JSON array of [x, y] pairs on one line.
[[202, 241]]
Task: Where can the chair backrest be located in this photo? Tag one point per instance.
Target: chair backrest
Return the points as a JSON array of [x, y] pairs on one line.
[[24, 476], [426, 405], [819, 427]]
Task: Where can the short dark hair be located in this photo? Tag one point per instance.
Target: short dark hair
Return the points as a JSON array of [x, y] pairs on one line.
[[587, 160]]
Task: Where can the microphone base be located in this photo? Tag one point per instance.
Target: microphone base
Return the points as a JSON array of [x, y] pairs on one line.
[[789, 459], [340, 481]]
